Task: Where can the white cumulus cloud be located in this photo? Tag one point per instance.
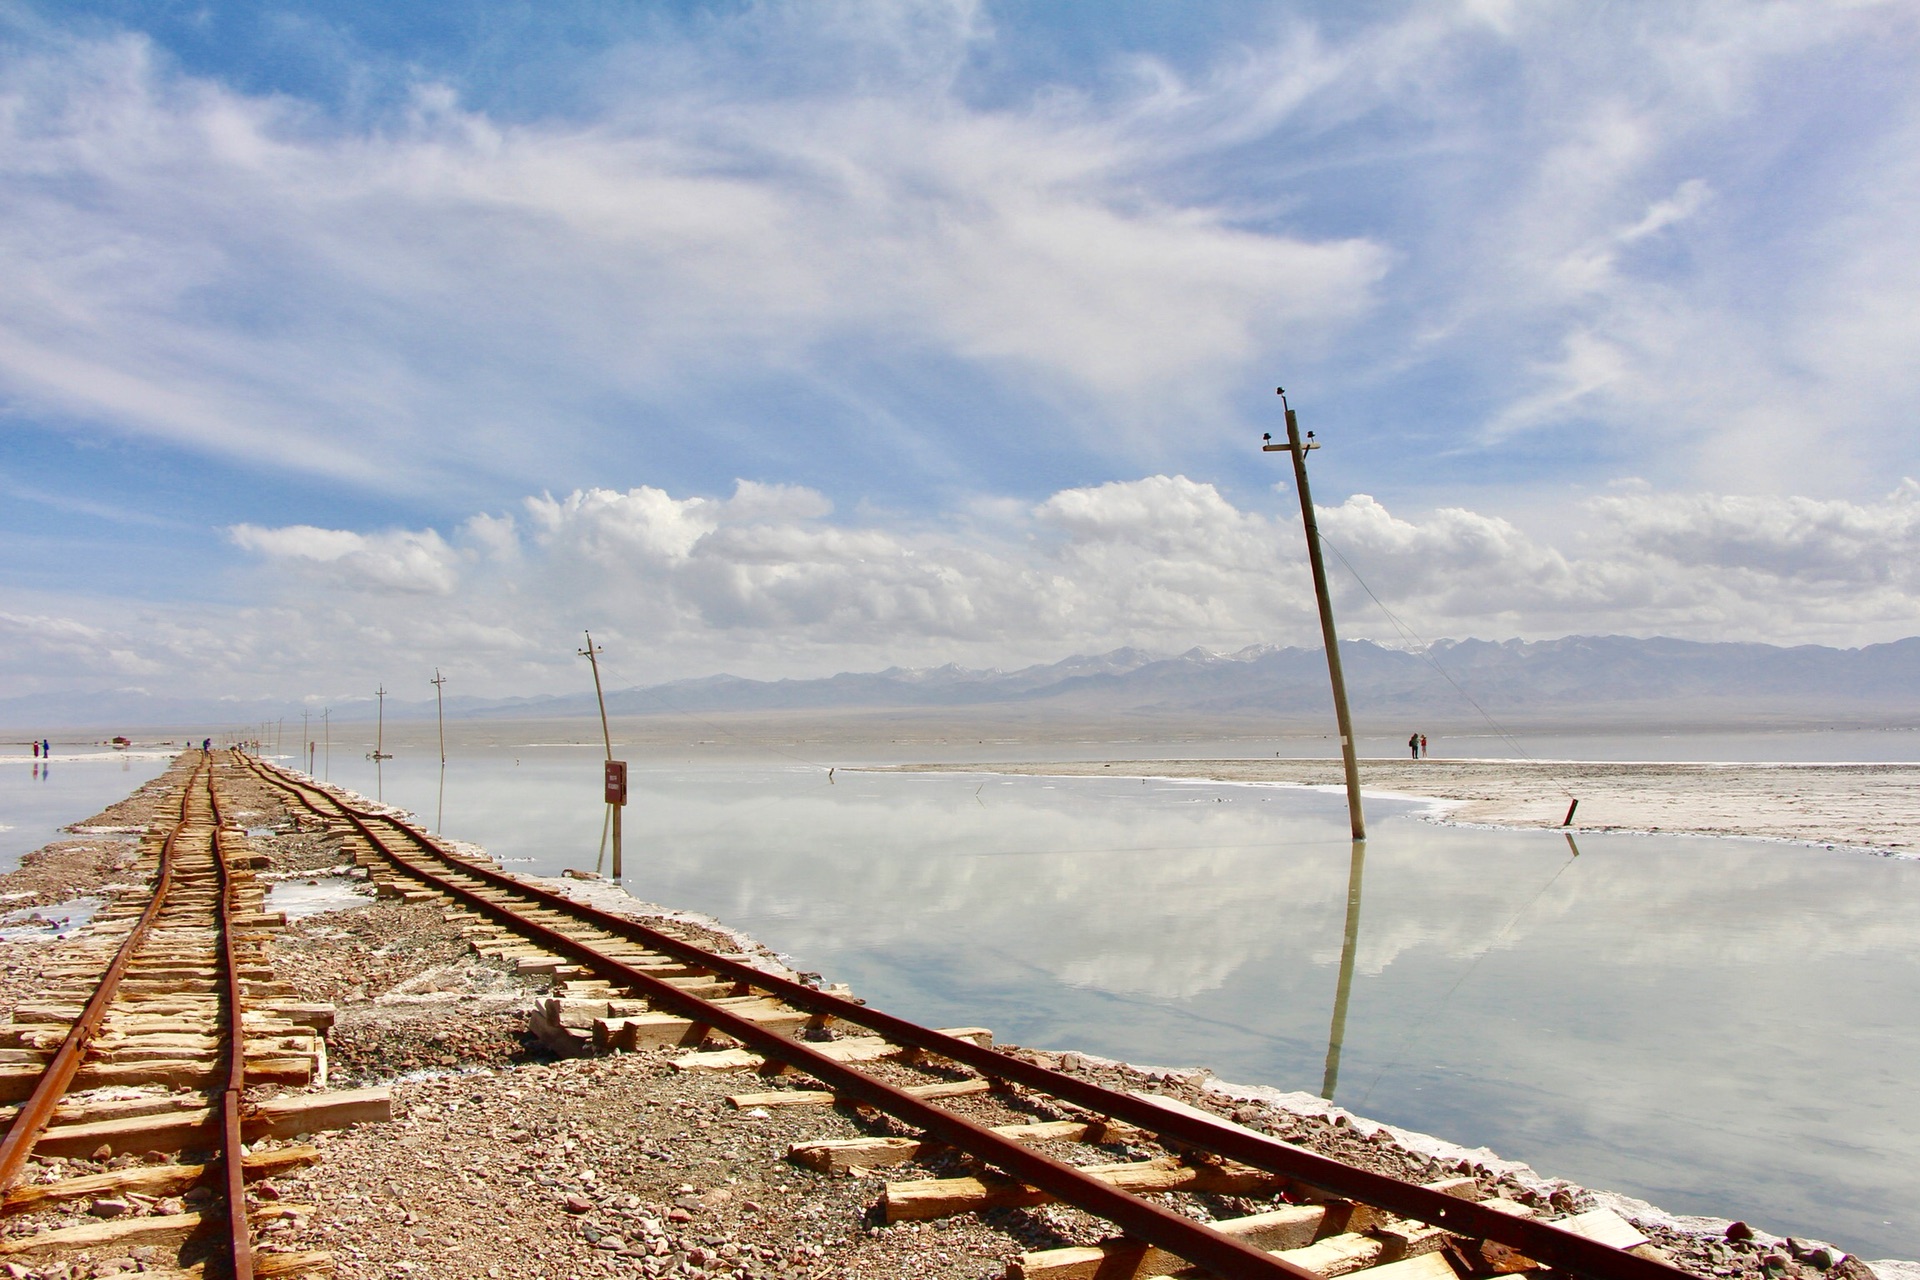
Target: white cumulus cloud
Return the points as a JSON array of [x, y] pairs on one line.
[[402, 561], [769, 581]]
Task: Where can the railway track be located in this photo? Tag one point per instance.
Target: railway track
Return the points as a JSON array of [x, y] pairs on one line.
[[621, 984], [145, 1045]]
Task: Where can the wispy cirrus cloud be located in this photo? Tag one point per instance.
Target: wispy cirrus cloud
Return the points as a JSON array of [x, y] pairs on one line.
[[1556, 220], [452, 293]]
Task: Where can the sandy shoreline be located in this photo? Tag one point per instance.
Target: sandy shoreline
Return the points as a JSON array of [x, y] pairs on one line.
[[1874, 807]]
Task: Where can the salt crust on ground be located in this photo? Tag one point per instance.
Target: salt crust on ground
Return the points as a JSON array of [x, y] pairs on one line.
[[1874, 808]]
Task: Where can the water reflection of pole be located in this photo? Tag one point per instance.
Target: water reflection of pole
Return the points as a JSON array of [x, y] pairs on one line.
[[1336, 1037]]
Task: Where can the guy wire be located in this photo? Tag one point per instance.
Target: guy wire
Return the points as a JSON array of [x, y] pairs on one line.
[[1426, 653]]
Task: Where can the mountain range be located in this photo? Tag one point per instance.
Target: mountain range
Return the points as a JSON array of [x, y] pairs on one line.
[[1574, 677]]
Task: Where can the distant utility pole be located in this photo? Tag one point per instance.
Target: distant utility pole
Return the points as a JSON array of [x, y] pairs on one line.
[[306, 739], [616, 773], [326, 732], [380, 727], [1298, 449], [440, 711]]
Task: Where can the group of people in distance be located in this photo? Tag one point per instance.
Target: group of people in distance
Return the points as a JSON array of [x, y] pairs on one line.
[[1417, 745], [41, 748]]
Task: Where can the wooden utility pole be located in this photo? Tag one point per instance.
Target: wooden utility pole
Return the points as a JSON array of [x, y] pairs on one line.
[[616, 770], [380, 728], [1298, 449], [440, 711], [326, 736]]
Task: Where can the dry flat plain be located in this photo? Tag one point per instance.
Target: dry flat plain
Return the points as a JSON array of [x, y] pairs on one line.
[[1867, 806]]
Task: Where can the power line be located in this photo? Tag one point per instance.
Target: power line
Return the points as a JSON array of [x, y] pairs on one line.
[[1425, 650]]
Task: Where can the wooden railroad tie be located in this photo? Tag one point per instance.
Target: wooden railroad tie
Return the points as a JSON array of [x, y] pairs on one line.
[[945, 1197], [149, 1180], [854, 1049], [1332, 1239], [828, 1098], [842, 1155]]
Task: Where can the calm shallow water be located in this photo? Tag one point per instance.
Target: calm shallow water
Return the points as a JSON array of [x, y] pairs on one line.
[[39, 797], [1719, 1026]]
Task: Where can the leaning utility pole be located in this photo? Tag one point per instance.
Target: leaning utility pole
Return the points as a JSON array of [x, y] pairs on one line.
[[1298, 449], [616, 773], [440, 711]]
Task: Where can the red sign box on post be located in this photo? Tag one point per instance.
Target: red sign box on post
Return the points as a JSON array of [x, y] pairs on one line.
[[616, 782]]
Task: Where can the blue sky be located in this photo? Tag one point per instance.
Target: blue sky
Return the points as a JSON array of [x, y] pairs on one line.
[[791, 338]]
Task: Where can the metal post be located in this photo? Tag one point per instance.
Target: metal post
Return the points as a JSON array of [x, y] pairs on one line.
[[326, 733], [1328, 635], [592, 654]]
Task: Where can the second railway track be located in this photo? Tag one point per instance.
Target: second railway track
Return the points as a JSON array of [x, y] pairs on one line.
[[144, 1047], [621, 984]]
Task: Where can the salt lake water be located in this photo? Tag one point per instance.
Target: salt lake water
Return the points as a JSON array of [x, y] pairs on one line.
[[39, 797], [1718, 1026]]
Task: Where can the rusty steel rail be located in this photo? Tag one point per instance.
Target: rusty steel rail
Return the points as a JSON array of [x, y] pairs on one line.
[[1548, 1244], [37, 1111], [232, 1152]]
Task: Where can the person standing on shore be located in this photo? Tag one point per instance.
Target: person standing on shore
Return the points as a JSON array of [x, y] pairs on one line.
[[1413, 746], [1424, 754], [36, 748]]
